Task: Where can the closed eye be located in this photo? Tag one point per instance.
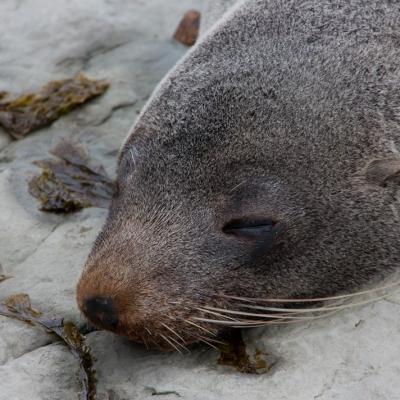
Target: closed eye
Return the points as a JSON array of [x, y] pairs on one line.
[[249, 228]]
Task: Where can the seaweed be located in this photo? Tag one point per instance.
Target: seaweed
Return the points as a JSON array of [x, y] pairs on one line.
[[233, 353], [19, 307], [188, 28], [4, 277], [29, 112], [70, 182], [154, 392]]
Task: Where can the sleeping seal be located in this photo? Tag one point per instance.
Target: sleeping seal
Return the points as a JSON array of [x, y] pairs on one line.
[[265, 165]]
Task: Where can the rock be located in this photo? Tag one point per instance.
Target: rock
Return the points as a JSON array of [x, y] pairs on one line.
[[22, 228], [326, 359], [128, 43], [188, 28], [18, 338], [5, 140], [49, 274], [212, 11], [47, 373]]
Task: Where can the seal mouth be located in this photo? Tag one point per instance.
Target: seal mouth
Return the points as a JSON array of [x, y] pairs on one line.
[[142, 314], [161, 332]]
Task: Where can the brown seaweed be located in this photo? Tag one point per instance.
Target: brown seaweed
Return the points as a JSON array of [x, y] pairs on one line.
[[70, 182], [154, 392], [4, 277], [31, 111], [19, 307], [188, 28], [233, 353]]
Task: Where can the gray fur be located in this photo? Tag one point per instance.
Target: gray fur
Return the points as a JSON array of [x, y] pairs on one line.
[[278, 111]]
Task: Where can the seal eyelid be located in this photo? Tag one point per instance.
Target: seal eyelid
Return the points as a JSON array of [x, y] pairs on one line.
[[250, 228]]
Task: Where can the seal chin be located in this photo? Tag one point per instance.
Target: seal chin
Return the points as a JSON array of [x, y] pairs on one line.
[[158, 337]]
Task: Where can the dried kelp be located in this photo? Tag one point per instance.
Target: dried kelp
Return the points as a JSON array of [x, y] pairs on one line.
[[19, 307], [4, 277], [70, 182], [233, 353], [29, 112], [154, 392], [188, 28]]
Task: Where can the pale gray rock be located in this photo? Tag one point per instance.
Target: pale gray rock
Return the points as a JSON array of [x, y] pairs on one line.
[[212, 11], [5, 140], [128, 43], [49, 273], [18, 338], [22, 227], [47, 373], [353, 355]]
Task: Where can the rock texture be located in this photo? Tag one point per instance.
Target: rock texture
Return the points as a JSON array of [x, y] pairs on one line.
[[350, 356]]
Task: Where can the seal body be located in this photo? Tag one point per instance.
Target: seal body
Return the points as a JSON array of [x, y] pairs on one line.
[[265, 165]]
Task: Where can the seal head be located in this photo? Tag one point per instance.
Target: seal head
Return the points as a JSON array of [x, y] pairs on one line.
[[264, 166]]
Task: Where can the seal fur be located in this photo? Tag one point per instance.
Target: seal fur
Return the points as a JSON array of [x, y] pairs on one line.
[[285, 111]]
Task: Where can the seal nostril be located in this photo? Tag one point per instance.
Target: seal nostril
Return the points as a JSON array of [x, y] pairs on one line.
[[101, 311]]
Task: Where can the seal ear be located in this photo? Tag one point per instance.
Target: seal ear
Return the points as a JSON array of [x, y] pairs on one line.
[[382, 172]]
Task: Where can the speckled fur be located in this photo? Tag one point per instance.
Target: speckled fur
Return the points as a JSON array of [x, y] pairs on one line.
[[277, 112]]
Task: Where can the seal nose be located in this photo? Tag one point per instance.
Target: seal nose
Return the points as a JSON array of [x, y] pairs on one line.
[[101, 311]]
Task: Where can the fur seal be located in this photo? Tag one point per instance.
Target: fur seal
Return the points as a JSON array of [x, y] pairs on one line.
[[265, 165]]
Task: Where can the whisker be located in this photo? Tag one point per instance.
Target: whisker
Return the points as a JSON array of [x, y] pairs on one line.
[[270, 316], [260, 323], [237, 186], [171, 330], [215, 313], [148, 331], [155, 344], [224, 323], [283, 308], [328, 308], [200, 327], [315, 299], [144, 341], [182, 345], [212, 340], [201, 339], [256, 324], [245, 323], [170, 343], [223, 310]]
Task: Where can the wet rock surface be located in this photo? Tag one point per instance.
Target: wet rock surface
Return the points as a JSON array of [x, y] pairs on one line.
[[350, 356]]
